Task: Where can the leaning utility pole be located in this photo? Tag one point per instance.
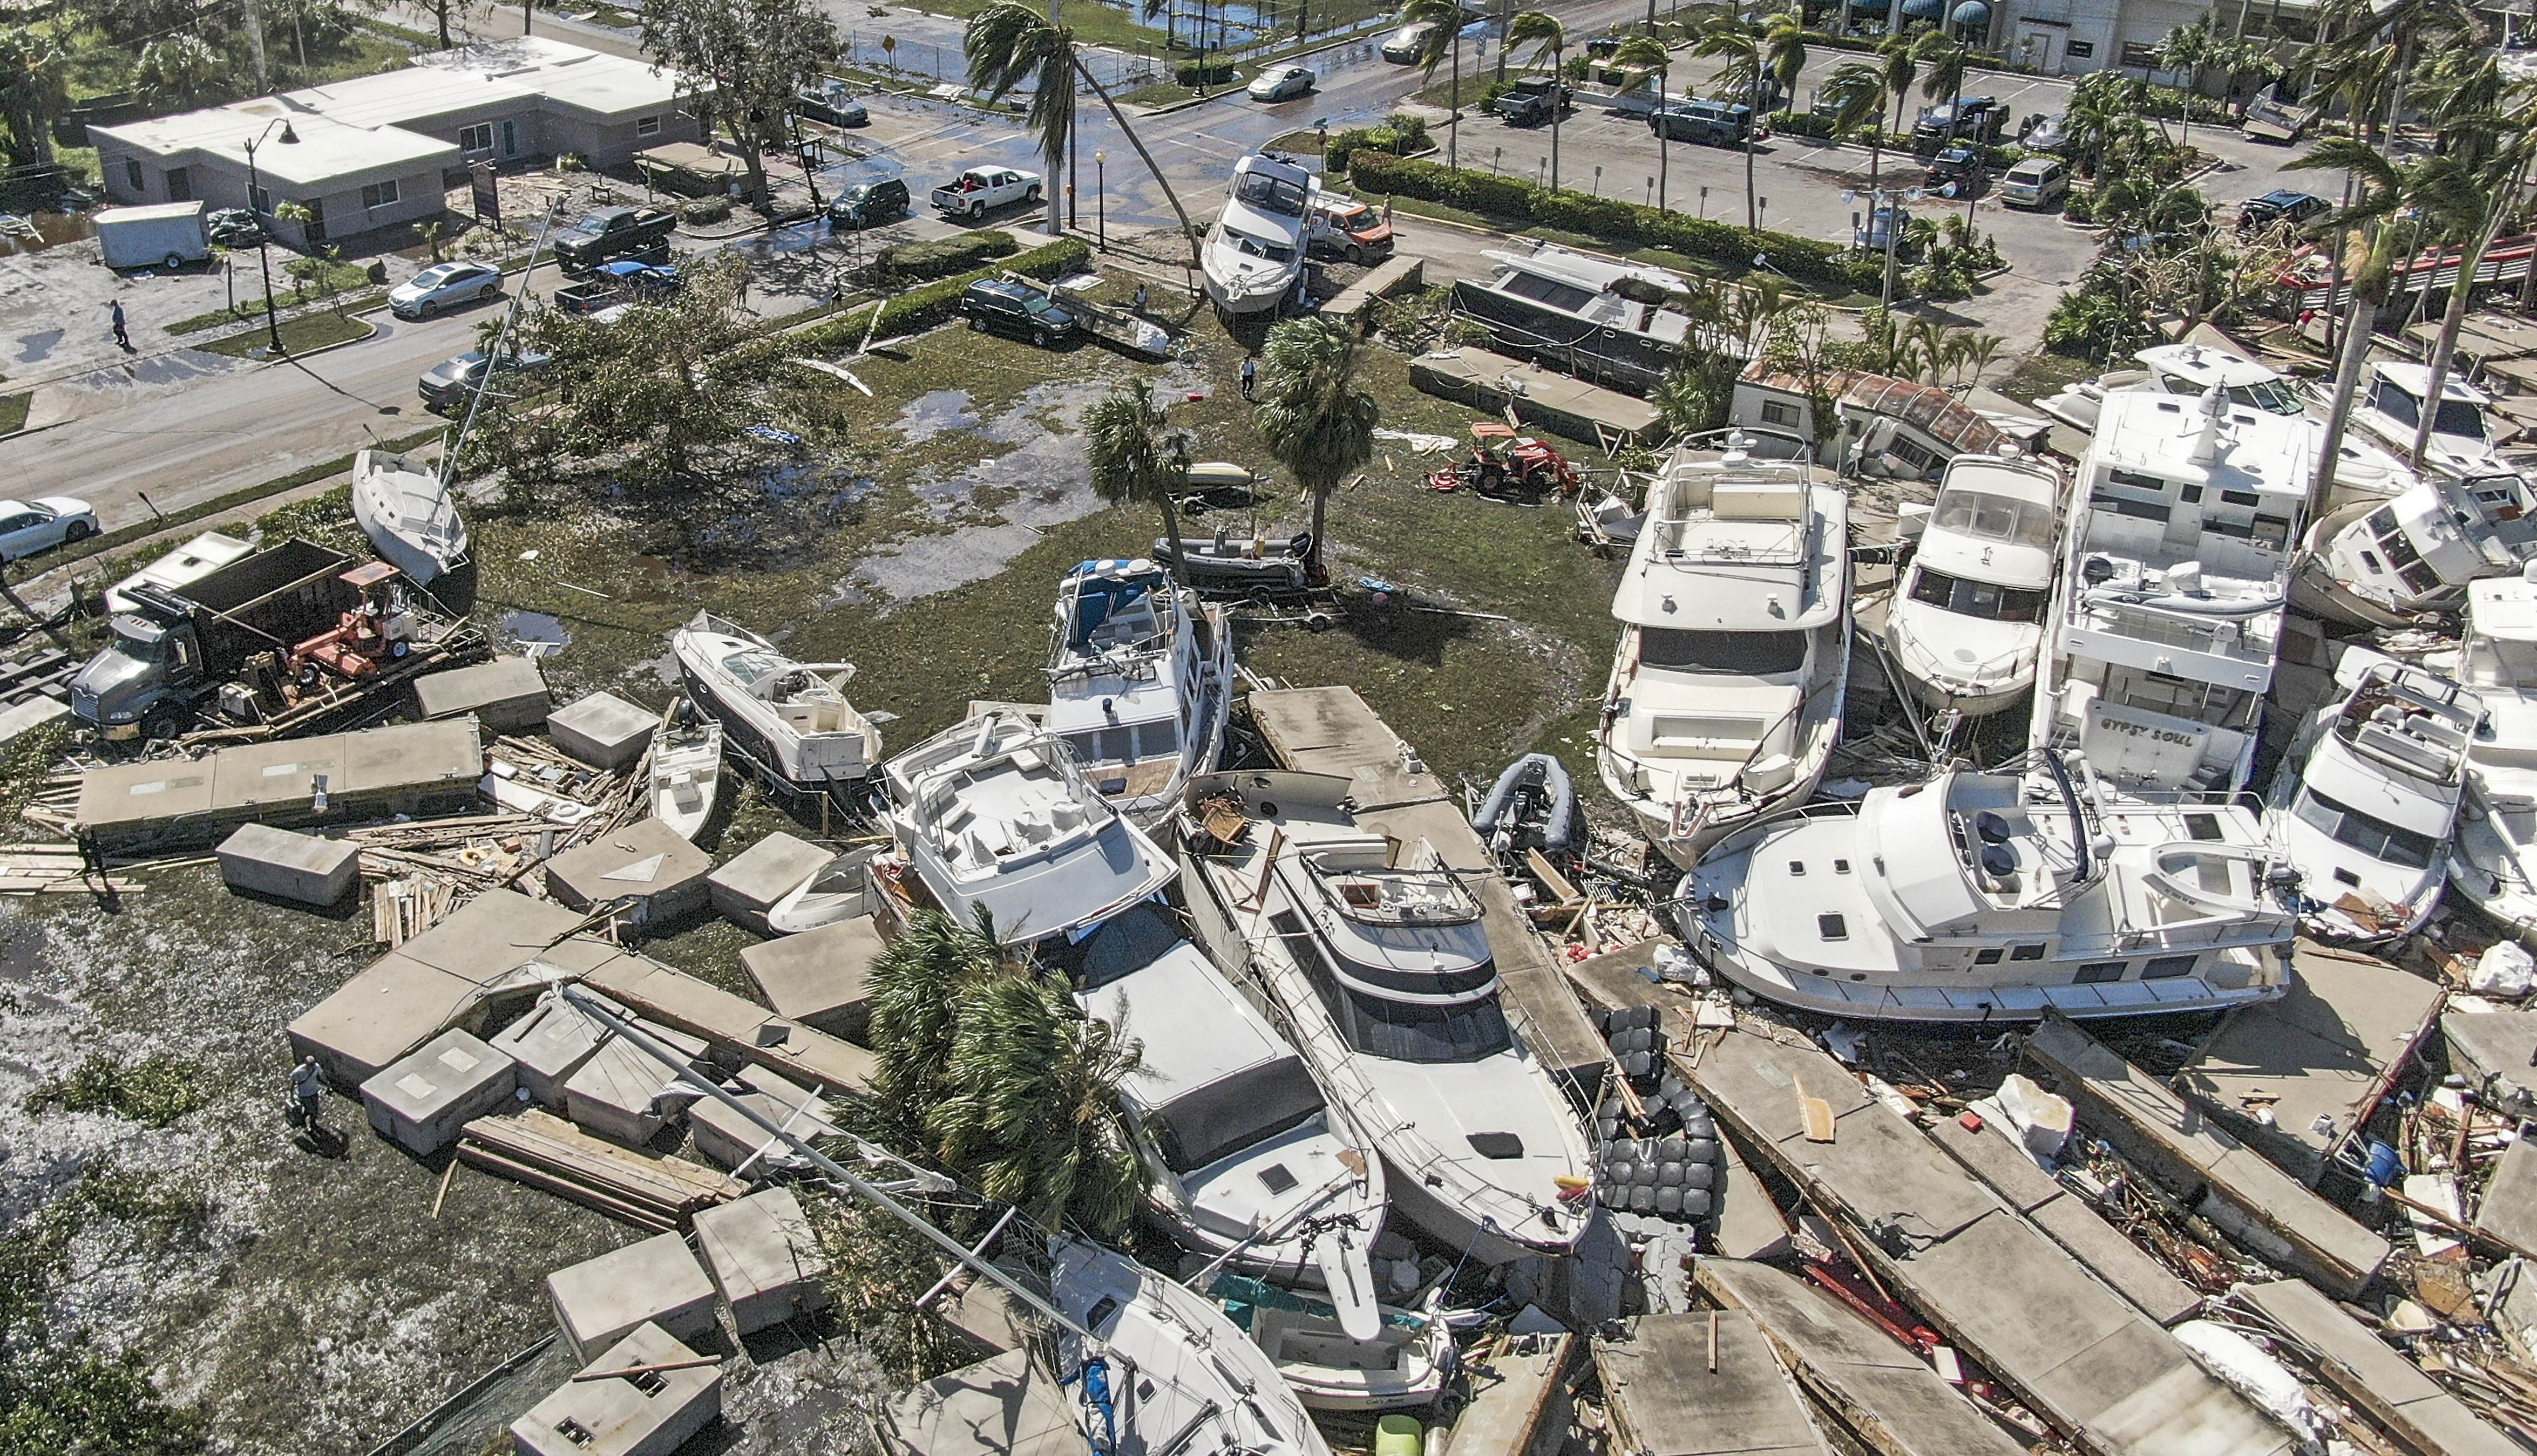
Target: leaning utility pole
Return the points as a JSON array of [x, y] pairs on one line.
[[255, 45]]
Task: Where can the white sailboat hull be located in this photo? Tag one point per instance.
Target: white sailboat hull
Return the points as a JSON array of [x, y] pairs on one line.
[[408, 515]]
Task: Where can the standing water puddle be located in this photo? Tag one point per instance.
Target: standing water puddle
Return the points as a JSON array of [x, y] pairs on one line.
[[534, 634], [931, 414]]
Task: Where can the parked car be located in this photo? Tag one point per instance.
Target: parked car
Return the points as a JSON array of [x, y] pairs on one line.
[[1529, 101], [2279, 206], [1960, 171], [612, 233], [1887, 221], [1709, 123], [28, 526], [2036, 182], [996, 306], [870, 204], [1282, 83], [1976, 119], [234, 227], [443, 286], [981, 190], [446, 385], [1763, 92], [832, 103], [2045, 133], [1404, 47], [1603, 46]]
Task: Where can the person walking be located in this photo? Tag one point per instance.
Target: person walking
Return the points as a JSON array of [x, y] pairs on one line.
[[122, 337], [1249, 375], [308, 1084], [1140, 305], [744, 294]]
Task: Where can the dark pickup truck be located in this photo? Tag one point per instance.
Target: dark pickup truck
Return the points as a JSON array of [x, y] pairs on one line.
[[612, 233]]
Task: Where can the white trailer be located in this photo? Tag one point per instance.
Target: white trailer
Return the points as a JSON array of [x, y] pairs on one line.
[[167, 235]]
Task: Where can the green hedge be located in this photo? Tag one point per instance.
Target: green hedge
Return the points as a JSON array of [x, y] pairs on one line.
[[1195, 75], [707, 213], [921, 262], [1819, 264], [910, 312]]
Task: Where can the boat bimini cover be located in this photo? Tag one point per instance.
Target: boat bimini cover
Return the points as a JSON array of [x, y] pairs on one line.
[[1107, 585]]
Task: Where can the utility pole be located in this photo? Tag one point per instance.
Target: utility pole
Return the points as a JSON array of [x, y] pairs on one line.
[[526, 7], [255, 43]]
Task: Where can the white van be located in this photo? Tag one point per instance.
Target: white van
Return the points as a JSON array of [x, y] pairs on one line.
[[2036, 182]]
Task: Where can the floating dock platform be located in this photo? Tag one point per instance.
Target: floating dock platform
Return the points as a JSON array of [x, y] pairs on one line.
[[1543, 398]]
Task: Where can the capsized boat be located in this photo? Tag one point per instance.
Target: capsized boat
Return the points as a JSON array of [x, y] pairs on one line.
[[1726, 695], [1998, 897], [995, 815], [1967, 622], [1139, 682], [2496, 865], [2175, 578], [407, 511], [791, 719], [2367, 796], [1166, 1373], [2387, 563], [1373, 951], [1622, 325], [1402, 1367], [1247, 1161], [686, 772], [1255, 254]]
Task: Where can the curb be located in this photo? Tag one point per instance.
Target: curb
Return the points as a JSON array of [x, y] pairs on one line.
[[292, 358]]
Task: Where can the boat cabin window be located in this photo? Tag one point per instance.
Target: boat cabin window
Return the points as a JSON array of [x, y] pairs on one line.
[[2166, 967], [1737, 653], [2374, 836], [2398, 548], [2500, 662], [2030, 952], [1127, 742], [2095, 973], [1567, 298], [1988, 516], [2456, 416], [1399, 1031], [2180, 697], [1207, 1124], [1989, 957], [1979, 599], [1272, 194]]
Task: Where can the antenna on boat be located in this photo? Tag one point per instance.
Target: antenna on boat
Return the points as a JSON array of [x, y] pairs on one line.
[[502, 336], [2215, 409]]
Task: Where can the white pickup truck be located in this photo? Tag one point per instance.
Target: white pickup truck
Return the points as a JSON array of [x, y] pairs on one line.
[[982, 189]]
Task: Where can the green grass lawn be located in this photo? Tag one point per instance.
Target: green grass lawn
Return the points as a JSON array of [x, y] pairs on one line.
[[309, 331], [12, 411]]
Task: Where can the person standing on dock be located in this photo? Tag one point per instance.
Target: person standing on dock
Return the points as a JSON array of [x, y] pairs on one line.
[[308, 1084]]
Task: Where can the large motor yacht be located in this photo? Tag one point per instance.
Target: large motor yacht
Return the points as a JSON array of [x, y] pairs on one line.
[[1256, 252], [1621, 324], [2387, 563], [994, 814], [2366, 798], [2497, 839], [1725, 696], [1969, 620], [791, 719], [1247, 1162], [2175, 577], [1139, 682], [1373, 953], [1995, 896]]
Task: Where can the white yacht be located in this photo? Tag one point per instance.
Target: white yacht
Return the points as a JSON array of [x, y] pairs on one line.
[[994, 814], [2387, 563], [1139, 684], [1255, 254], [1373, 952], [686, 773], [1725, 696], [1169, 1375], [406, 509], [1995, 896], [2175, 577], [2367, 796], [1247, 1162], [790, 719], [2497, 840], [1967, 620], [1616, 324], [2388, 406]]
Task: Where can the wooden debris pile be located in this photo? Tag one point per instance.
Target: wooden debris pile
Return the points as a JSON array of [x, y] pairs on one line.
[[544, 1150]]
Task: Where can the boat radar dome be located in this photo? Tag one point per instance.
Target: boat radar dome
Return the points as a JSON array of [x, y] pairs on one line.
[[2097, 570]]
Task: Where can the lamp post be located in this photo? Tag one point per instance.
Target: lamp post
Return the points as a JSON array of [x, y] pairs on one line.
[[1101, 196], [264, 234]]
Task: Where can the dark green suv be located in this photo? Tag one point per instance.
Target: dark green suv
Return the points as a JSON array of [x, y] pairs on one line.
[[869, 204]]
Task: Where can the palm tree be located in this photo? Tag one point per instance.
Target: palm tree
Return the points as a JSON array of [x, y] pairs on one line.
[[2186, 50], [917, 983], [2382, 186], [1784, 51], [1727, 38], [1317, 419], [1647, 55], [1033, 1118], [1858, 94], [1946, 60], [2473, 186], [1137, 458], [1546, 35], [1009, 44], [1445, 18]]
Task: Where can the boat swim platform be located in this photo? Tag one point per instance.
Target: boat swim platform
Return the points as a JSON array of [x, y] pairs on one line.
[[2186, 1150], [1545, 399], [1333, 730], [2331, 1048], [2079, 1356], [415, 767]]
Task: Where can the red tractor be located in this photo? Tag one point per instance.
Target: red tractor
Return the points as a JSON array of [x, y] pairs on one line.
[[377, 631], [1504, 463]]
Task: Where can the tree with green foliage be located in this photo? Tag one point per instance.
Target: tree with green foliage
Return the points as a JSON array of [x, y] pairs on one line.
[[2469, 190], [1033, 1118], [2184, 51], [1317, 419], [1444, 18], [741, 63], [1649, 56], [34, 88], [918, 982], [1739, 44], [1137, 458], [2382, 186], [1948, 59], [1547, 36]]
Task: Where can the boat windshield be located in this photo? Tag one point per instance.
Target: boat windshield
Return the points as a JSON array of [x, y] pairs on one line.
[[1969, 598], [2376, 838], [1399, 1030], [1203, 1126], [1732, 653], [1988, 516], [1259, 247], [1270, 194], [2462, 417], [2272, 396]]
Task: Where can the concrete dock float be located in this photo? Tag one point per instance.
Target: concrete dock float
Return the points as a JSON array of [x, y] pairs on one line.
[[757, 1035], [2392, 1389], [1006, 1406], [1520, 1401], [415, 768], [2184, 1149], [1702, 1384], [1333, 730]]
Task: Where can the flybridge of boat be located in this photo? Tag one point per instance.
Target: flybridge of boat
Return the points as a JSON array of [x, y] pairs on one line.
[[2410, 722], [1744, 536], [1114, 617]]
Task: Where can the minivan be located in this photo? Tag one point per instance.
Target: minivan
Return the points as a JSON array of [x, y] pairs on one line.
[[2036, 182], [1714, 123]]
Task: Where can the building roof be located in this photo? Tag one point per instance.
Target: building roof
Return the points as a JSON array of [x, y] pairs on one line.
[[325, 149], [1924, 406], [569, 75]]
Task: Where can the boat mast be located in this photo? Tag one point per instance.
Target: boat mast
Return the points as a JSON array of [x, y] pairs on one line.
[[502, 336]]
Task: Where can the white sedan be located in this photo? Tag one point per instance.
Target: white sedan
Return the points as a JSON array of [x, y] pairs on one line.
[[31, 526], [1281, 83], [445, 285]]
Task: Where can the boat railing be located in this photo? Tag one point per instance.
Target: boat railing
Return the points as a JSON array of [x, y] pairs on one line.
[[2216, 636], [1701, 806]]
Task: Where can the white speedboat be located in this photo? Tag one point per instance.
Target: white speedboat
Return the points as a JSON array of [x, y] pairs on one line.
[[1373, 951], [686, 770], [1967, 620], [1166, 1373], [2387, 563], [1994, 897], [1139, 684], [995, 815], [1402, 1367], [1617, 324], [1725, 696], [407, 511], [838, 890], [2388, 406], [2366, 798], [790, 719], [2175, 577], [1255, 254], [2496, 864], [1247, 1161]]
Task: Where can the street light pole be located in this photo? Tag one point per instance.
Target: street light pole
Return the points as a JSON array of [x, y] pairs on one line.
[[1101, 196], [263, 233]]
